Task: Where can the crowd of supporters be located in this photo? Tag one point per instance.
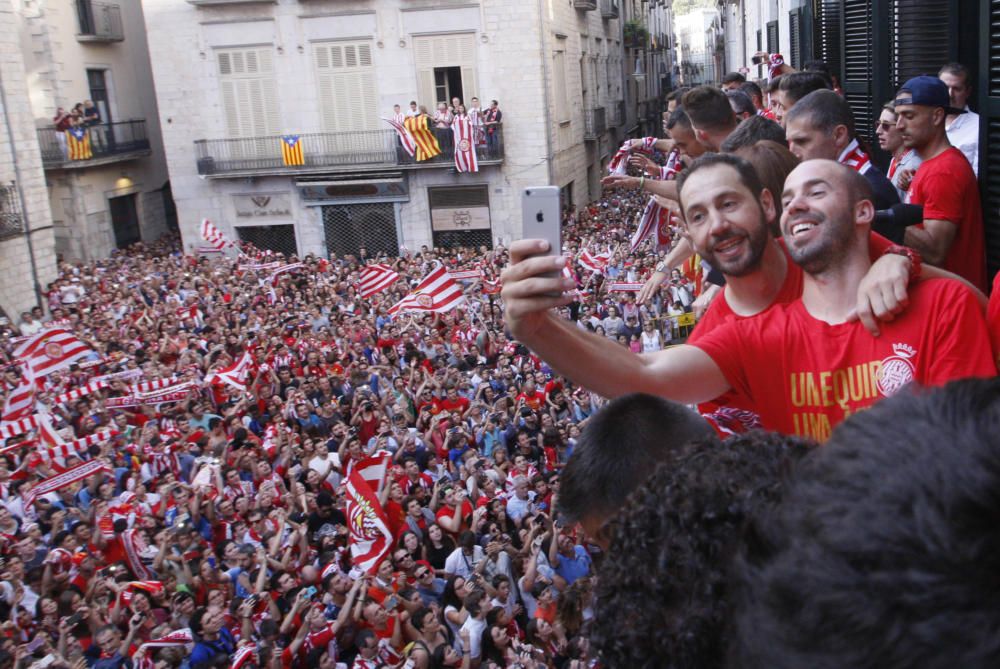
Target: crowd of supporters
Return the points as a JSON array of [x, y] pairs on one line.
[[185, 493]]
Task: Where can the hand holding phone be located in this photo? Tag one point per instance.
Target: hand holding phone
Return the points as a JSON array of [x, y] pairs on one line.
[[541, 218]]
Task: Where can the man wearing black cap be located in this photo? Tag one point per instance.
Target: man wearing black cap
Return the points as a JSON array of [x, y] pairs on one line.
[[951, 235]]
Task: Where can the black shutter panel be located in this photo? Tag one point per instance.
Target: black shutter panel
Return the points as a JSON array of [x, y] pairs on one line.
[[920, 38], [858, 48], [795, 37], [989, 137], [827, 36], [772, 37]]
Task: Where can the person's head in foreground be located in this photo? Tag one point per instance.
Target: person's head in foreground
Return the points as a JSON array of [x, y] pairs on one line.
[[661, 594], [886, 548]]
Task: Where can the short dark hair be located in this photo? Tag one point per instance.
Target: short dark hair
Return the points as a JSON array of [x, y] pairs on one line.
[[361, 640], [884, 550], [741, 102], [664, 594], [773, 162], [797, 85], [600, 473], [748, 175], [752, 89], [733, 78], [708, 108], [751, 131], [958, 70], [821, 68], [825, 110], [679, 117]]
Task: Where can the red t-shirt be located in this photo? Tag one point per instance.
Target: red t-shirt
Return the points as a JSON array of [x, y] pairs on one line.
[[447, 512], [993, 316], [946, 186], [804, 376], [733, 412]]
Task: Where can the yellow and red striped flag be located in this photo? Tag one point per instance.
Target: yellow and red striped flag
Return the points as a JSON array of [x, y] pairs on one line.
[[291, 150], [427, 144], [78, 143]]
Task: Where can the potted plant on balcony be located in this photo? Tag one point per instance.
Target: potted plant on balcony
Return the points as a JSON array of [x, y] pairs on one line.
[[635, 34]]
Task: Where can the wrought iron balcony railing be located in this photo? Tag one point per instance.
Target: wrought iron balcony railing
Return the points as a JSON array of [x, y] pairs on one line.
[[98, 144], [11, 218], [594, 123], [327, 151]]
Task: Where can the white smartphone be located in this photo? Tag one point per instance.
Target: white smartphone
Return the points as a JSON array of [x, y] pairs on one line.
[[541, 217]]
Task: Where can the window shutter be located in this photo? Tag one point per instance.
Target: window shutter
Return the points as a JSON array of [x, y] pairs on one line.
[[827, 36], [989, 119], [345, 80], [249, 92], [921, 38], [458, 50], [772, 37], [858, 63], [795, 37]]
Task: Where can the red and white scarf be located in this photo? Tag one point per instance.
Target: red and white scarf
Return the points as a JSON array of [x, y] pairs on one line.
[[896, 162], [134, 544], [855, 158], [67, 478]]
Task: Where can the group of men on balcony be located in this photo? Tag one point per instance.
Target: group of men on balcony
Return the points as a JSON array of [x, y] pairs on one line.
[[82, 115]]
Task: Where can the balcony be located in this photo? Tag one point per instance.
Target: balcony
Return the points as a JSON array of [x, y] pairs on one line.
[[11, 219], [594, 124], [109, 143], [200, 3], [99, 22], [324, 152], [609, 9], [585, 5]]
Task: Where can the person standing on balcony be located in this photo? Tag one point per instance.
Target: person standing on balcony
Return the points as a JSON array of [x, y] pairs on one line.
[[63, 121], [413, 109], [476, 119], [904, 161], [493, 117], [92, 120], [962, 127], [442, 127]]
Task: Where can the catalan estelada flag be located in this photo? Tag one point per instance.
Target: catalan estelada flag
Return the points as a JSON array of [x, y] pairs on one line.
[[291, 150], [78, 144], [427, 144]]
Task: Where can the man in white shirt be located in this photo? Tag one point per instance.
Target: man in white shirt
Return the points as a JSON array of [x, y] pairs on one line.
[[521, 502], [962, 129], [28, 325]]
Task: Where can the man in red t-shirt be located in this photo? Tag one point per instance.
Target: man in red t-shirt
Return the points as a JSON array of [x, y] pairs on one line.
[[951, 235], [805, 366]]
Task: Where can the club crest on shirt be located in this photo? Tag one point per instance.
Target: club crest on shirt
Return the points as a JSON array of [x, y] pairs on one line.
[[897, 370]]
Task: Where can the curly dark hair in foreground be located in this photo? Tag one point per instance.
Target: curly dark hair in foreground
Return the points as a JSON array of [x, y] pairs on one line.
[[886, 549], [662, 601]]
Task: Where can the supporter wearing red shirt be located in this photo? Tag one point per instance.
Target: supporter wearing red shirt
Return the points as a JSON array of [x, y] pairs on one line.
[[530, 396], [951, 235], [455, 515], [453, 402], [826, 222]]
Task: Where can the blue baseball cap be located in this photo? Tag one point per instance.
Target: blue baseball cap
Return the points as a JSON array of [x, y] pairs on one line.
[[927, 91]]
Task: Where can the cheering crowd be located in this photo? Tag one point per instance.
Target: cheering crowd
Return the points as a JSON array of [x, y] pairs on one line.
[[175, 478], [249, 460]]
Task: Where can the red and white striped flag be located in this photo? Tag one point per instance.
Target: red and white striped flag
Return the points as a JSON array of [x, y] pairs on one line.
[[655, 220], [375, 279], [51, 350], [190, 311], [213, 235], [438, 292], [67, 478], [465, 274], [465, 145], [372, 469], [370, 538], [596, 263], [235, 375], [284, 269], [405, 138], [20, 402], [82, 391]]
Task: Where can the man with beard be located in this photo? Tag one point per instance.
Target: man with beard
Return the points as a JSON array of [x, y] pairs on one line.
[[804, 365]]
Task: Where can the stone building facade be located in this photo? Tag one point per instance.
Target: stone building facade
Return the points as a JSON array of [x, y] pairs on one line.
[[78, 50], [27, 242], [234, 77]]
